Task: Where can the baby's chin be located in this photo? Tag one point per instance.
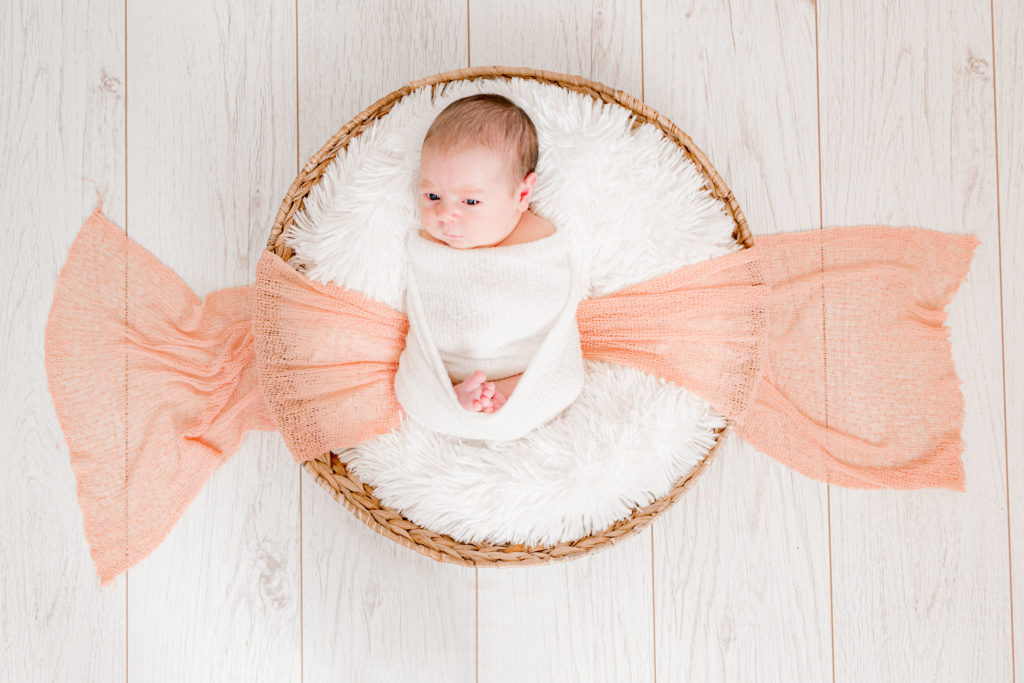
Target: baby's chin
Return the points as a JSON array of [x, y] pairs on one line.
[[463, 244]]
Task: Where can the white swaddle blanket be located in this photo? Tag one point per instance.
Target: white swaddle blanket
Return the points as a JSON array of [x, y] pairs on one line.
[[503, 310]]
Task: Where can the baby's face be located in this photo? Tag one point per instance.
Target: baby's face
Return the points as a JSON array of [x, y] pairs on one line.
[[466, 197]]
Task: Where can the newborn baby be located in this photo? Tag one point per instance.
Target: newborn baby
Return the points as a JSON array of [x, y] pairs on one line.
[[476, 179], [493, 348]]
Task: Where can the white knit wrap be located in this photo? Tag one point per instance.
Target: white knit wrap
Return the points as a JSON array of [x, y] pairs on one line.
[[503, 310]]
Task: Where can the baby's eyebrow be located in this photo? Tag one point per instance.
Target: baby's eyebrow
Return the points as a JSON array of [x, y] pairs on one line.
[[460, 190]]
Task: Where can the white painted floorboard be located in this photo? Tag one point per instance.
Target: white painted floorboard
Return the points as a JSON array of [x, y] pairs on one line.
[[194, 117], [741, 562]]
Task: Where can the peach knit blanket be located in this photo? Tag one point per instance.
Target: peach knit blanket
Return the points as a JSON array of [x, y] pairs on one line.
[[827, 348]]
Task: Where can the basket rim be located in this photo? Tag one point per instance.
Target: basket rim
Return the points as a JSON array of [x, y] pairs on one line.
[[330, 472]]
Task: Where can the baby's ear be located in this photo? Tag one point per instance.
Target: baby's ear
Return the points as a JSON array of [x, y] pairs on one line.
[[526, 190]]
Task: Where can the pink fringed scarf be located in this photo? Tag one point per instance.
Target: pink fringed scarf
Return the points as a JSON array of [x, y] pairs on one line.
[[827, 349]]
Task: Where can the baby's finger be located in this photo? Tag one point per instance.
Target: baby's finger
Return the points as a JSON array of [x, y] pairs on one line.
[[488, 389], [477, 378]]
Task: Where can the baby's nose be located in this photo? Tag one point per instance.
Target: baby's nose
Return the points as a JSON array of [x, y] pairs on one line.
[[447, 212]]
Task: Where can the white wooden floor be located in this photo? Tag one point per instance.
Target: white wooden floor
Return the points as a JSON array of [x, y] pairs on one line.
[[194, 116]]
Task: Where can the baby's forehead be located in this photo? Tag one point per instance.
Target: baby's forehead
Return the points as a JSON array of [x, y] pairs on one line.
[[450, 150], [436, 156]]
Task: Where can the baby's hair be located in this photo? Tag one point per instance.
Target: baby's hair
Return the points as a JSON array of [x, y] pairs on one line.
[[491, 121]]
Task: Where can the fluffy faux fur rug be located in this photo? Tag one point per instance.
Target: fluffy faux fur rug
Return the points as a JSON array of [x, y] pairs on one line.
[[636, 201]]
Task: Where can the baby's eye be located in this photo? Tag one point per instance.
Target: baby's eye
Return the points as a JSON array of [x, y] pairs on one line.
[[472, 202], [432, 197]]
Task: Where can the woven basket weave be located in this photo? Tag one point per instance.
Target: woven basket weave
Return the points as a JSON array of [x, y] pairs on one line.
[[328, 469]]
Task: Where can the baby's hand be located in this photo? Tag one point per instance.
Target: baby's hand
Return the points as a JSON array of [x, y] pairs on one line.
[[476, 393]]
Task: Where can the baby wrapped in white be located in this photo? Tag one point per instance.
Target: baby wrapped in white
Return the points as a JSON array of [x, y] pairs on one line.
[[503, 310]]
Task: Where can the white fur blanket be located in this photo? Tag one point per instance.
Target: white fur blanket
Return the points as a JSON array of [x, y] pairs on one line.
[[637, 204]]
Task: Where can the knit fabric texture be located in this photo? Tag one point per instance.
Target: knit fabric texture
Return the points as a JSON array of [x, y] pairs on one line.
[[330, 355], [503, 310], [827, 348], [153, 389], [489, 308]]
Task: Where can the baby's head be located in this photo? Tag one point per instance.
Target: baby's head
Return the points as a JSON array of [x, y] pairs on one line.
[[477, 171]]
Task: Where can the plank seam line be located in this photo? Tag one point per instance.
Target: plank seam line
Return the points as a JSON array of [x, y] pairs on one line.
[[298, 167], [126, 224], [1002, 336], [821, 222]]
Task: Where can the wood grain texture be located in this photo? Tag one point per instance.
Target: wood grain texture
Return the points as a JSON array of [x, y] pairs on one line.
[[374, 610], [596, 610], [596, 40], [1008, 24], [921, 578], [211, 147], [584, 620], [354, 52], [61, 119], [741, 562]]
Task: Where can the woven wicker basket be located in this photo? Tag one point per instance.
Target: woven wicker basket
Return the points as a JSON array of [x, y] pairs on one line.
[[333, 475]]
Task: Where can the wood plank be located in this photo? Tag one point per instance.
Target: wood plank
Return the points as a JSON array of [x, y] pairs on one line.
[[61, 119], [1009, 92], [373, 608], [741, 570], [921, 578], [597, 40], [588, 619], [353, 53], [211, 149]]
